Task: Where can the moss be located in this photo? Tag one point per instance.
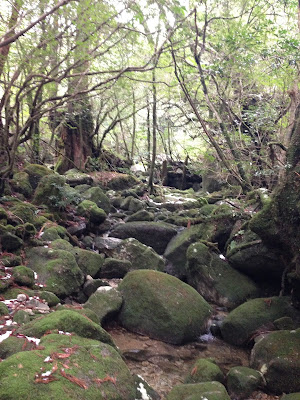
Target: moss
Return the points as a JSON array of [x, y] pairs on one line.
[[3, 309], [89, 361], [67, 321], [82, 311], [21, 317], [50, 192], [12, 293], [10, 242], [89, 262], [243, 381], [25, 212], [3, 215], [23, 276], [10, 260], [197, 391], [36, 172], [20, 183], [13, 345], [122, 181], [90, 210], [51, 299], [55, 232], [97, 195], [104, 303], [114, 268], [204, 370]]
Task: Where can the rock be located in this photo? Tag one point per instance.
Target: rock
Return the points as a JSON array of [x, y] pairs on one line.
[[121, 181], [276, 356], [132, 204], [115, 268], [154, 234], [36, 172], [291, 396], [67, 321], [141, 215], [199, 391], [56, 269], [144, 391], [97, 195], [243, 381], [75, 178], [215, 279], [204, 370], [13, 345], [243, 323], [25, 212], [140, 255], [91, 211], [95, 370], [23, 276], [20, 183], [162, 307], [3, 310], [21, 317], [50, 298], [53, 233], [91, 285], [89, 262], [50, 191], [106, 243], [105, 302], [10, 242]]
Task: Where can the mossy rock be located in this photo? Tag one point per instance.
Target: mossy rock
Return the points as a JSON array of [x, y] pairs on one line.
[[114, 268], [50, 191], [154, 234], [3, 215], [12, 293], [52, 233], [3, 310], [10, 242], [199, 391], [75, 178], [36, 172], [204, 370], [50, 298], [21, 317], [23, 275], [26, 231], [97, 195], [244, 322], [291, 396], [121, 182], [91, 211], [88, 261], [82, 311], [243, 381], [13, 345], [215, 279], [140, 255], [132, 204], [162, 307], [98, 368], [105, 303], [67, 321], [276, 356], [141, 215], [62, 244], [10, 260], [56, 269], [25, 212], [20, 183]]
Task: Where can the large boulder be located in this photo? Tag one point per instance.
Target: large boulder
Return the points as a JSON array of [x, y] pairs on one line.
[[204, 370], [97, 195], [162, 307], [199, 391], [88, 261], [246, 321], [56, 269], [67, 367], [243, 381], [36, 172], [50, 191], [215, 279], [105, 302], [76, 178], [140, 255], [91, 211], [154, 234], [276, 356]]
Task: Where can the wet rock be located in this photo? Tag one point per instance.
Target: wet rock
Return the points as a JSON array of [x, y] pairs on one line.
[[106, 243], [215, 279], [195, 391], [105, 302], [276, 356], [162, 307], [154, 234], [77, 228], [204, 371], [243, 381], [139, 255], [253, 317]]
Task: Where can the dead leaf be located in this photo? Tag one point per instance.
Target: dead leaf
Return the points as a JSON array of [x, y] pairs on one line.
[[106, 379], [73, 379]]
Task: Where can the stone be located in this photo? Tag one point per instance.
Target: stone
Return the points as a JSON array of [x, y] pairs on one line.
[[91, 211], [75, 178], [215, 279], [141, 215], [245, 322], [204, 370], [115, 268], [13, 345], [20, 183], [50, 191], [162, 307], [23, 276], [105, 302], [10, 242], [91, 285], [88, 261], [154, 234], [97, 195], [36, 172], [276, 356], [243, 381], [199, 391]]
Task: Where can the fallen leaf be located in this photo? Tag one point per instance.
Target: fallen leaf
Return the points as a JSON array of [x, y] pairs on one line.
[[106, 379], [73, 379]]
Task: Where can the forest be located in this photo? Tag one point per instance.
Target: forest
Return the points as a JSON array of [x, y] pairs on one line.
[[150, 197]]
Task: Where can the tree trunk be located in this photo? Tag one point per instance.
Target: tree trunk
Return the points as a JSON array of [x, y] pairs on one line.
[[154, 124]]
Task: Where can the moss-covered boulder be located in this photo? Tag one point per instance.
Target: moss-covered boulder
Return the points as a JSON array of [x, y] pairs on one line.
[[21, 317], [75, 178], [154, 234], [88, 261], [121, 181], [54, 232], [10, 242], [243, 381], [25, 212], [162, 307], [204, 370], [20, 183], [291, 396], [215, 279], [57, 270], [141, 215], [90, 370], [105, 302], [36, 172], [50, 298], [114, 268], [132, 204], [3, 310], [67, 321], [23, 275], [140, 255], [91, 211], [199, 391], [276, 356], [50, 191], [97, 195], [13, 345], [244, 322]]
